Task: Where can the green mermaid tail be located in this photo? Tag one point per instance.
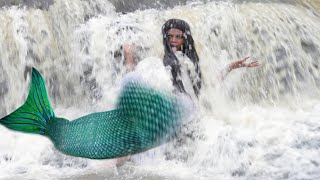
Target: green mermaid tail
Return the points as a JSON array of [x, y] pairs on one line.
[[144, 118], [34, 114]]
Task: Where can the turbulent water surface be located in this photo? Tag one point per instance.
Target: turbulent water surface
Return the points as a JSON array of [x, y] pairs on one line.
[[259, 123]]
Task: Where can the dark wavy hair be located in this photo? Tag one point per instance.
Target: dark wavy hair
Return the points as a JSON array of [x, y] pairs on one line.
[[188, 49]]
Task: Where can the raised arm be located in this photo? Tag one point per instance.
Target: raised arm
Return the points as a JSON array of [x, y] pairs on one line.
[[128, 55], [237, 64]]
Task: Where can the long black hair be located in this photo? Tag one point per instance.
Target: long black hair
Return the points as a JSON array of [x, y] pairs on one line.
[[188, 49]]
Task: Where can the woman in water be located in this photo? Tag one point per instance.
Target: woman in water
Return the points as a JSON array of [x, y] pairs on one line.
[[182, 62], [181, 58]]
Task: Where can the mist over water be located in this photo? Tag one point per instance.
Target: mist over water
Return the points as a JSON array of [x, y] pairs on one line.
[[259, 123]]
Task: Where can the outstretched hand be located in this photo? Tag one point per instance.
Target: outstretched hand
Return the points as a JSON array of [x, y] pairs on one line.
[[238, 64], [242, 63]]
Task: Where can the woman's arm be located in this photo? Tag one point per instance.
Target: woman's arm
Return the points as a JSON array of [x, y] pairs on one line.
[[128, 55], [237, 64]]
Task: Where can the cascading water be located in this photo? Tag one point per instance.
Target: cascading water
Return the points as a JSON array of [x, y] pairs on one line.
[[259, 123]]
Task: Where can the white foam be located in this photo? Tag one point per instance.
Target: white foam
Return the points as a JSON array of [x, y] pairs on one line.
[[259, 123]]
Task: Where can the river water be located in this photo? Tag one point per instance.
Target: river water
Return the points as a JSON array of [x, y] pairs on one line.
[[259, 123]]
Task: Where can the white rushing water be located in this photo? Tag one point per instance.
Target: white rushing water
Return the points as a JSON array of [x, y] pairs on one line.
[[259, 123]]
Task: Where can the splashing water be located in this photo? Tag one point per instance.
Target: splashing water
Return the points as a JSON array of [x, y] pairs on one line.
[[259, 123]]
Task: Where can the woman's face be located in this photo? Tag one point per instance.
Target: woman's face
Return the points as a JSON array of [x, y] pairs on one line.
[[176, 39]]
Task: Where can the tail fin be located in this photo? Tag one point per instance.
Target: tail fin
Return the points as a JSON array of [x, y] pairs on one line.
[[33, 115]]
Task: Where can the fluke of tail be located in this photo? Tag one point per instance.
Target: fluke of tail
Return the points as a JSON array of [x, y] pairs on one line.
[[34, 114]]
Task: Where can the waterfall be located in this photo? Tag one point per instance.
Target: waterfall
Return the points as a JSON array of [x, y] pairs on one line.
[[259, 123]]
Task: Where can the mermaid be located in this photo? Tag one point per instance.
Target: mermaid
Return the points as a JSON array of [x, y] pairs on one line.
[[144, 118]]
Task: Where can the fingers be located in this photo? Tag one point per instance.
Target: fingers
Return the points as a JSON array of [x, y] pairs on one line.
[[253, 64], [250, 64], [243, 60], [246, 58], [242, 63]]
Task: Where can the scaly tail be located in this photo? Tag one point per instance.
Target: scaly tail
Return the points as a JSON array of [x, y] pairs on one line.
[[33, 115], [144, 118], [156, 115]]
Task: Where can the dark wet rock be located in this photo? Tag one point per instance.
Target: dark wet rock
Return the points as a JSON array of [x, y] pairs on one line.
[[125, 6], [40, 4], [132, 5], [121, 5]]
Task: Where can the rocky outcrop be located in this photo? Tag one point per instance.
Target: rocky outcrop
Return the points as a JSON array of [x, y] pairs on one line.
[[41, 4]]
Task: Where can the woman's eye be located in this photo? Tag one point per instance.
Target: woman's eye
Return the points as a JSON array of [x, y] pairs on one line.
[[179, 36], [176, 36]]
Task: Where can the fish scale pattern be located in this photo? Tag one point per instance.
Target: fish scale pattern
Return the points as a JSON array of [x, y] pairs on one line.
[[153, 112], [144, 118]]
